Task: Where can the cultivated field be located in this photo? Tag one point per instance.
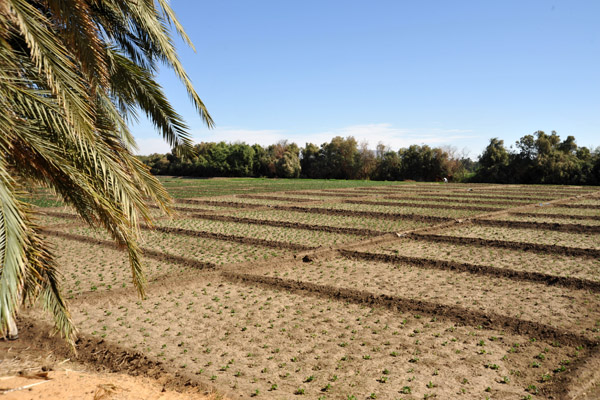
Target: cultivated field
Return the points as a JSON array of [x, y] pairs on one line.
[[348, 290]]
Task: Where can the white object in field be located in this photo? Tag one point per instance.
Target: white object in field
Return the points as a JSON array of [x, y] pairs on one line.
[[13, 332], [445, 180]]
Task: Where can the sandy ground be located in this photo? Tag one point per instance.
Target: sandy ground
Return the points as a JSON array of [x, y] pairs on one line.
[[28, 372]]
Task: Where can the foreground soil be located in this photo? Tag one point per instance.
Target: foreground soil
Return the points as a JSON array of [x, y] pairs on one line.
[[30, 372]]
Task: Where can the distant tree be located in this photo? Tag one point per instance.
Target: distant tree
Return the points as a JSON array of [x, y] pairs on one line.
[[240, 160], [365, 163], [311, 161], [493, 163]]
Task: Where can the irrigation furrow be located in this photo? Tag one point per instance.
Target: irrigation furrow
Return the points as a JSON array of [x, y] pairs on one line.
[[288, 224], [582, 206], [550, 215], [550, 226], [506, 244], [157, 255], [455, 314], [419, 205], [447, 199], [485, 270], [325, 193], [531, 199], [276, 198], [233, 204]]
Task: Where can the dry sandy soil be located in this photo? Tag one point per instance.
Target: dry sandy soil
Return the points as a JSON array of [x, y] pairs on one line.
[[28, 371]]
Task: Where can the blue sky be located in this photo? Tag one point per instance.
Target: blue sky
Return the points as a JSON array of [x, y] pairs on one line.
[[401, 72]]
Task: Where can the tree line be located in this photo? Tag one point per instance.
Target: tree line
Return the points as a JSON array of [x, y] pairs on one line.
[[342, 158], [537, 158]]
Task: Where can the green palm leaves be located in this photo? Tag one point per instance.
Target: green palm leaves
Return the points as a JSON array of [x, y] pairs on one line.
[[72, 72]]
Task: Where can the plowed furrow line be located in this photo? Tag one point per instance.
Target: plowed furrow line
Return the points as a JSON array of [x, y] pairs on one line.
[[233, 204], [559, 192], [448, 199], [485, 270], [455, 314], [549, 226], [234, 238], [582, 206], [505, 244], [276, 198], [157, 255], [422, 205], [529, 199], [550, 215], [289, 224], [325, 193]]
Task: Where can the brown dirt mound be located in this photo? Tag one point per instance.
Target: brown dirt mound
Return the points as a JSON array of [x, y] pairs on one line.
[[287, 224], [486, 270], [455, 314], [505, 244], [550, 226]]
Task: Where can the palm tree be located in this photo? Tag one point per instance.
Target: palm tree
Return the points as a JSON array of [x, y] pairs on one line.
[[72, 74]]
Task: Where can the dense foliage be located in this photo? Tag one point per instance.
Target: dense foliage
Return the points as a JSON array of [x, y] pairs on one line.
[[339, 159], [539, 158]]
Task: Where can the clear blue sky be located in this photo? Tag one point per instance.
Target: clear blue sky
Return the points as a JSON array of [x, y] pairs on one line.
[[401, 72]]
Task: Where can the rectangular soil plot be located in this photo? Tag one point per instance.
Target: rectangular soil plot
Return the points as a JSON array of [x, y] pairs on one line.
[[538, 236], [262, 232], [250, 341], [558, 219], [585, 268], [435, 212], [558, 211], [378, 224], [192, 251], [89, 267], [548, 307]]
